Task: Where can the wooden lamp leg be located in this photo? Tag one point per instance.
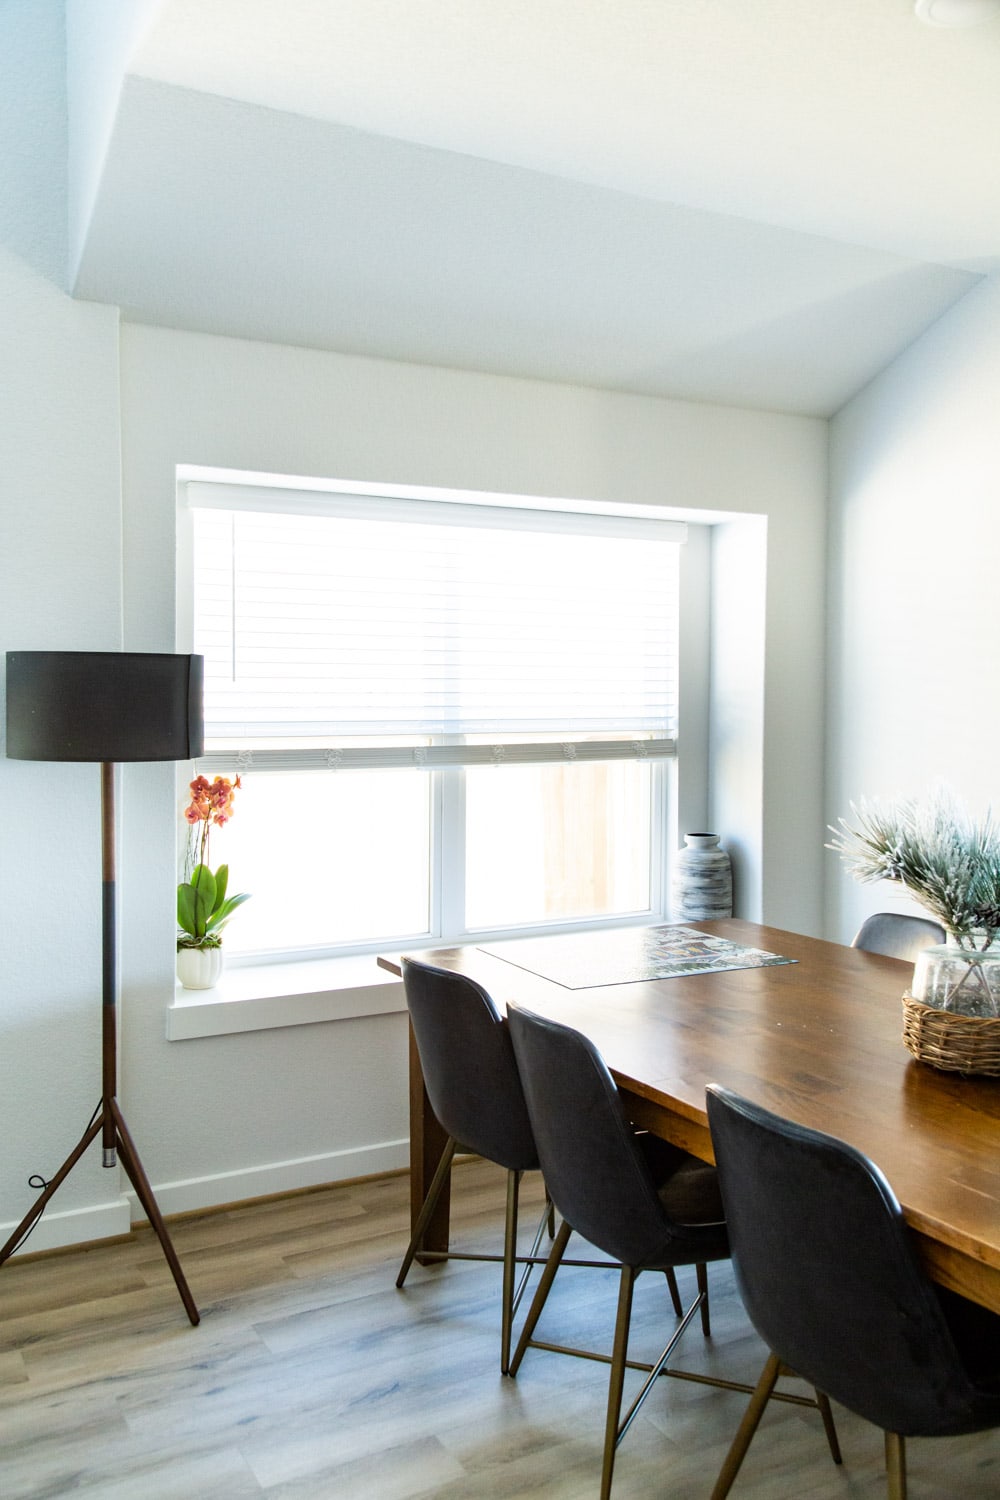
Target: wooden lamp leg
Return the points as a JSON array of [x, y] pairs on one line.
[[108, 1121]]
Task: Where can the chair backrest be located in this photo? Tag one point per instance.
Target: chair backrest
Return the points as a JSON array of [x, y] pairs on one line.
[[897, 936], [593, 1168], [829, 1277], [468, 1064]]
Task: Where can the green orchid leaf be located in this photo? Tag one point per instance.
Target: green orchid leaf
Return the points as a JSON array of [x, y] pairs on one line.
[[221, 917], [204, 883], [193, 910], [221, 881], [186, 896], [227, 908], [203, 908]]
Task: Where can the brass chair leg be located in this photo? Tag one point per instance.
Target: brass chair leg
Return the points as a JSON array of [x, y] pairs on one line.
[[763, 1391], [547, 1223], [430, 1203], [895, 1465], [701, 1272], [544, 1286], [615, 1427], [511, 1295], [823, 1402], [509, 1268], [744, 1433], [616, 1382]]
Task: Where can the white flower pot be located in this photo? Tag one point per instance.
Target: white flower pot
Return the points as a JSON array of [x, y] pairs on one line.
[[199, 968]]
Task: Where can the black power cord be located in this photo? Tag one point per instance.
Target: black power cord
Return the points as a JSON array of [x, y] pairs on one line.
[[39, 1183]]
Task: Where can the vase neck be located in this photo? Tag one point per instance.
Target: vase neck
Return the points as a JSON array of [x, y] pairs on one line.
[[973, 942]]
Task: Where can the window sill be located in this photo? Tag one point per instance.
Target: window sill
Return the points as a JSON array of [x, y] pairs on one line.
[[264, 996]]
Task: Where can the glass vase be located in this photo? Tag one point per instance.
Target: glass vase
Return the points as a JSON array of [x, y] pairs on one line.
[[964, 980]]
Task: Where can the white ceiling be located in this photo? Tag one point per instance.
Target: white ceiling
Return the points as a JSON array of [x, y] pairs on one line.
[[757, 203]]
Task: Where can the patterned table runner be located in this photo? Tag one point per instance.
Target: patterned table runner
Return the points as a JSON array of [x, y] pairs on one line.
[[626, 955]]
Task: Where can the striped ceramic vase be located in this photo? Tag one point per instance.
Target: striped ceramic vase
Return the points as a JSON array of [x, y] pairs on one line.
[[702, 882]]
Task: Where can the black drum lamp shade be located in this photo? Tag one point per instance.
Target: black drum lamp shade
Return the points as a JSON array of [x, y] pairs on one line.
[[104, 705]]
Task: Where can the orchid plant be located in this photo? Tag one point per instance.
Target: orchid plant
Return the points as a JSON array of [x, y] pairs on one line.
[[203, 907]]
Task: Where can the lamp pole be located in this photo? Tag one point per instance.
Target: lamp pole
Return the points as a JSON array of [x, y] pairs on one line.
[[108, 1121], [105, 707], [109, 955]]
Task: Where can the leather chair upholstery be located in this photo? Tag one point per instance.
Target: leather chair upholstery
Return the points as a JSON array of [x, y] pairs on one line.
[[830, 1279], [895, 935], [475, 1091], [468, 1065], [598, 1170], [647, 1204]]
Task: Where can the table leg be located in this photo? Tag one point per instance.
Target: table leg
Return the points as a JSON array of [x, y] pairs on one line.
[[427, 1142]]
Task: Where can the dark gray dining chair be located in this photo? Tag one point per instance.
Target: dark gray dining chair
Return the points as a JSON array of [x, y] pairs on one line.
[[475, 1092], [830, 1279], [648, 1205], [895, 935]]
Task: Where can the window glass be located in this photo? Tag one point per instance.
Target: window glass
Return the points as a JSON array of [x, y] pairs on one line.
[[557, 843], [329, 858]]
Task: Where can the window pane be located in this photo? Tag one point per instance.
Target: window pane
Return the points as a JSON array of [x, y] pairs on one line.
[[410, 630], [329, 857], [548, 843]]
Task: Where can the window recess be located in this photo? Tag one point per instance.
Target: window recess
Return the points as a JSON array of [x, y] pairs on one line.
[[425, 639]]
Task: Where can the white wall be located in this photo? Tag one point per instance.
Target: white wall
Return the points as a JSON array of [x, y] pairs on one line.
[[191, 398], [60, 586], [213, 1115], [737, 684], [101, 36], [914, 598]]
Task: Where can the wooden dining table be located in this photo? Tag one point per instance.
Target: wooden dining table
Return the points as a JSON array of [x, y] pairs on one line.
[[817, 1039]]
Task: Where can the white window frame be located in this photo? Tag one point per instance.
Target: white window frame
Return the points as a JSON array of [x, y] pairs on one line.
[[447, 793]]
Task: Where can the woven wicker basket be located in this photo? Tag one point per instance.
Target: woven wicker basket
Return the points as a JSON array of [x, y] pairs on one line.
[[947, 1040]]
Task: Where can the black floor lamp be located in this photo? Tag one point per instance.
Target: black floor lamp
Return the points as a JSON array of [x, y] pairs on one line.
[[105, 706]]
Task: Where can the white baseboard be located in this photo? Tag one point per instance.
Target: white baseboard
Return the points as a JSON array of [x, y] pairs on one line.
[[56, 1230], [275, 1177], [76, 1226]]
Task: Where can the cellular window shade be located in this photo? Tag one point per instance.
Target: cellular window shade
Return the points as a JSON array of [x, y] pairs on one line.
[[365, 625]]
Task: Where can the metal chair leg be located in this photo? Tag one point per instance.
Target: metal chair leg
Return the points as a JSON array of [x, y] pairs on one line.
[[744, 1433], [616, 1382], [430, 1203], [509, 1268], [534, 1257], [615, 1429], [616, 1426], [823, 1402], [510, 1295], [895, 1465], [701, 1272], [538, 1301], [763, 1392]]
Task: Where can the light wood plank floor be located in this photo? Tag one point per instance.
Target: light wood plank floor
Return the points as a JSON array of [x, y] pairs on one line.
[[312, 1378]]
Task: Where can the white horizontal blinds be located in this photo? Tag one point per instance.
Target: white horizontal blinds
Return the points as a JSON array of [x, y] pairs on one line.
[[431, 757], [416, 626]]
